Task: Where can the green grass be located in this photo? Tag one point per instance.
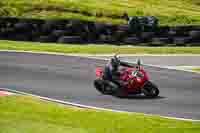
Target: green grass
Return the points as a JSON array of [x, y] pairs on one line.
[[168, 11], [94, 49], [196, 69], [22, 114]]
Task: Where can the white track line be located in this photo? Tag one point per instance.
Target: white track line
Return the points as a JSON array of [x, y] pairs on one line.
[[84, 106], [89, 107]]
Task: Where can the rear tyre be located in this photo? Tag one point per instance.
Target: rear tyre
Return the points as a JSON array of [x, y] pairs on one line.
[[150, 90], [105, 87], [101, 86], [98, 85]]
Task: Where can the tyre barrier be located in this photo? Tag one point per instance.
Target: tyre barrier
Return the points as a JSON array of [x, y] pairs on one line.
[[147, 36], [8, 21], [132, 40], [120, 35], [23, 27], [70, 39], [36, 23], [58, 33], [77, 31], [20, 37], [160, 41], [181, 41], [194, 34], [46, 38], [123, 27], [162, 31]]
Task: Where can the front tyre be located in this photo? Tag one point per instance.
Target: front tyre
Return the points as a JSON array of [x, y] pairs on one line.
[[150, 90]]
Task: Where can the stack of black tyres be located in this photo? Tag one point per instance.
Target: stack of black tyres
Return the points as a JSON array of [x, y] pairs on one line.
[[161, 37], [139, 30], [73, 32], [22, 31], [195, 35], [6, 27], [107, 33], [48, 28], [143, 28], [122, 33]]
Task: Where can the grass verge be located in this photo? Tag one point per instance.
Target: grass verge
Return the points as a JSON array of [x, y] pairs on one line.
[[29, 115], [196, 69], [94, 49]]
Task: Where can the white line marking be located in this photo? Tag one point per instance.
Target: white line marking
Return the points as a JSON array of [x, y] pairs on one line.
[[91, 107]]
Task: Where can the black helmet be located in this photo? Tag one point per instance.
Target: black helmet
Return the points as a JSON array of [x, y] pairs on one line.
[[115, 61], [138, 64]]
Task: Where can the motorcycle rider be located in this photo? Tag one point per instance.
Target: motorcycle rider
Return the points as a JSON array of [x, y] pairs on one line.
[[111, 72]]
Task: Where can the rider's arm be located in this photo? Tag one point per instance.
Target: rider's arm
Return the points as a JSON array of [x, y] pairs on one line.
[[125, 64]]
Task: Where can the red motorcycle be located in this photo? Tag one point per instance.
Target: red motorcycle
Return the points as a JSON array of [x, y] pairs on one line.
[[136, 79]]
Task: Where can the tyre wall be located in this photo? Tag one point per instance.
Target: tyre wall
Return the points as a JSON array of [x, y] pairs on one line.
[[83, 32]]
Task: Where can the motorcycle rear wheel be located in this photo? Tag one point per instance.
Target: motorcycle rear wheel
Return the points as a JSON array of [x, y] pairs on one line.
[[102, 87], [98, 84]]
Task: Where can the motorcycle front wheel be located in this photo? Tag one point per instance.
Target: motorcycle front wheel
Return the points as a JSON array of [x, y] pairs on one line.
[[150, 89]]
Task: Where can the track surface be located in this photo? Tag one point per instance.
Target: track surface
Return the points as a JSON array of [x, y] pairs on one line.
[[71, 79], [168, 60]]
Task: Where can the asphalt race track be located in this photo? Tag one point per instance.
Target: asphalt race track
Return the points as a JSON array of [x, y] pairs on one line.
[[71, 79]]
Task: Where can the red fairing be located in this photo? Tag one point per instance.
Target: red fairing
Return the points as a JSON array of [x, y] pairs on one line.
[[98, 72], [146, 77], [136, 82], [127, 75], [135, 79]]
